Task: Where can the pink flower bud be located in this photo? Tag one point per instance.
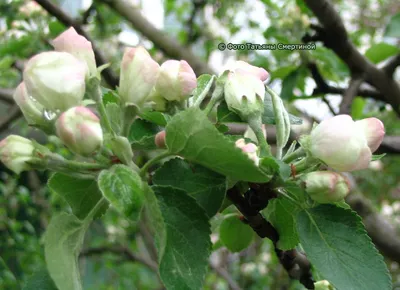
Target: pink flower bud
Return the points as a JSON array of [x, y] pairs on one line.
[[326, 186], [80, 130], [55, 79], [139, 73], [31, 109], [15, 151], [258, 72], [159, 139], [70, 41], [244, 93], [346, 145], [177, 80], [250, 149]]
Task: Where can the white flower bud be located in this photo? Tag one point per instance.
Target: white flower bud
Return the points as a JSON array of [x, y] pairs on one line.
[[15, 151], [80, 130], [139, 73], [250, 149], [31, 109], [326, 186], [244, 93], [70, 41], [177, 80], [56, 80], [346, 145]]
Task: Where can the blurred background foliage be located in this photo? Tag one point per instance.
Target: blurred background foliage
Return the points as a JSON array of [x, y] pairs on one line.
[[26, 204]]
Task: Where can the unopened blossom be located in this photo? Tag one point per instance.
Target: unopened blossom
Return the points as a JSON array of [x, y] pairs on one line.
[[56, 80], [77, 45], [15, 151], [31, 109], [159, 139], [345, 145], [244, 93], [139, 73], [176, 81], [250, 149], [79, 129], [258, 72], [326, 186]]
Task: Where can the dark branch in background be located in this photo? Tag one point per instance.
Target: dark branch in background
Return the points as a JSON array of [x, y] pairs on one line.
[[334, 36], [161, 40], [6, 96], [192, 33], [294, 262], [88, 13], [392, 64], [326, 101], [324, 88], [52, 9], [350, 94], [13, 114]]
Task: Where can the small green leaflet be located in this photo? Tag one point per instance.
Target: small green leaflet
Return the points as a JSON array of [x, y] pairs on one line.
[[63, 242], [338, 246], [188, 134], [123, 188], [142, 134], [184, 263], [377, 157], [235, 234], [206, 186], [40, 279], [281, 213], [81, 194]]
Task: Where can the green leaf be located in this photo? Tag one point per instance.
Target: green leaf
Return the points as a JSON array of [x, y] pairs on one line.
[[114, 114], [377, 157], [268, 116], [226, 116], [357, 107], [283, 71], [56, 28], [381, 51], [81, 194], [15, 46], [272, 166], [123, 188], [190, 134], [338, 246], [235, 234], [184, 263], [142, 134], [63, 242], [289, 83], [109, 96], [40, 279], [393, 27], [157, 118], [202, 82], [206, 186], [281, 213]]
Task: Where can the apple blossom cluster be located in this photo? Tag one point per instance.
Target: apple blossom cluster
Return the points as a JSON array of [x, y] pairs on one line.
[[55, 83]]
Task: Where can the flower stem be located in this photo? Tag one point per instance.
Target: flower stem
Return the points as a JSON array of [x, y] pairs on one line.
[[56, 162], [149, 163], [255, 124], [294, 155], [204, 93], [216, 97], [94, 90]]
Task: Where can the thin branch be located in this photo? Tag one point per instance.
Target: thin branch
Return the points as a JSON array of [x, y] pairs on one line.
[[326, 101], [6, 95], [294, 262], [349, 94], [165, 43], [226, 276], [54, 10], [334, 36], [119, 250], [190, 24], [391, 66], [13, 114]]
